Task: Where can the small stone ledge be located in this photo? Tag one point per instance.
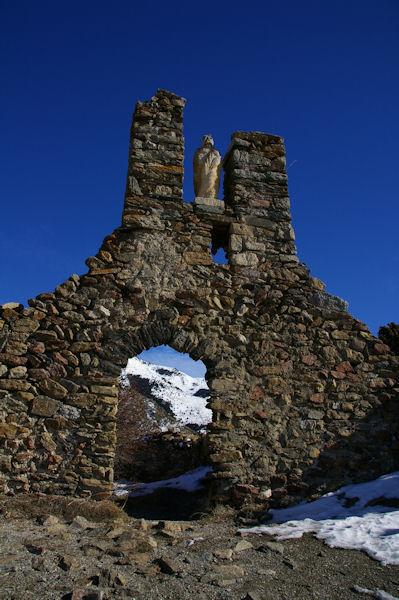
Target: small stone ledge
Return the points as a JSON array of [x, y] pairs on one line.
[[325, 300], [209, 205]]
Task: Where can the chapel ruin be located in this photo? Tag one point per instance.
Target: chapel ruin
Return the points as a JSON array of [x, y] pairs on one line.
[[304, 397]]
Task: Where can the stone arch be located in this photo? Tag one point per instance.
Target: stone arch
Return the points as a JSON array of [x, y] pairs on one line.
[[160, 328]]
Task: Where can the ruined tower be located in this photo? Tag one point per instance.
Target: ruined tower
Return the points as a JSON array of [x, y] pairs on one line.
[[304, 397]]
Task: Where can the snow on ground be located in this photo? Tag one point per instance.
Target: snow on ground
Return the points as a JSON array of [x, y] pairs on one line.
[[174, 388], [191, 481], [353, 517], [378, 594]]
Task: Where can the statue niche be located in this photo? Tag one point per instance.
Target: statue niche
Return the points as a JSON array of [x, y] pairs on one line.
[[207, 165]]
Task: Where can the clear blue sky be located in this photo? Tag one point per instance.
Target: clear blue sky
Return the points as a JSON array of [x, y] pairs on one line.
[[324, 75], [166, 356]]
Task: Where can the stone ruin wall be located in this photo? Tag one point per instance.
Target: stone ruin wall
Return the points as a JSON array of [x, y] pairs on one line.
[[304, 397]]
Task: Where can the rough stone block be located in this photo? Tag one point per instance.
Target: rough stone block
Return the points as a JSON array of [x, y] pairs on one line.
[[18, 372], [197, 258], [5, 464], [329, 301], [104, 390], [209, 205], [11, 430], [53, 388], [244, 259], [43, 406], [14, 385], [78, 347]]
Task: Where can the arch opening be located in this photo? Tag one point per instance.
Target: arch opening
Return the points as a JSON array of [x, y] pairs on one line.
[[161, 447]]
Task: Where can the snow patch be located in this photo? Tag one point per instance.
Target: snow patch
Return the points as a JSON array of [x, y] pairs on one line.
[[191, 481], [379, 594], [353, 517]]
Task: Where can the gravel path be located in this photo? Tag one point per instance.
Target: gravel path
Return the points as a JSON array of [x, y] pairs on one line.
[[49, 559]]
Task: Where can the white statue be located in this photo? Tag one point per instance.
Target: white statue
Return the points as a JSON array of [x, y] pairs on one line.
[[207, 169]]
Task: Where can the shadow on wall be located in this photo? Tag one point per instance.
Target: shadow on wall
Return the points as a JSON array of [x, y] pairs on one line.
[[354, 451], [349, 457]]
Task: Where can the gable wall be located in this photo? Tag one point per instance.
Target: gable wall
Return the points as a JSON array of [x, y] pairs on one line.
[[304, 397]]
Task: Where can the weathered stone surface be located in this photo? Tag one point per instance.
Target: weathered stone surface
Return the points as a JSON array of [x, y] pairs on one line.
[[36, 347], [5, 463], [11, 430], [17, 372], [304, 397], [44, 406], [209, 205], [242, 546], [329, 301], [47, 442], [225, 575], [12, 305], [14, 385], [226, 554], [104, 390], [14, 347], [53, 388], [169, 565], [272, 547], [136, 542], [83, 346], [12, 360], [67, 562]]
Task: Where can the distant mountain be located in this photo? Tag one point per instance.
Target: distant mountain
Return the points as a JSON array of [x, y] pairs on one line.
[[161, 421], [175, 399]]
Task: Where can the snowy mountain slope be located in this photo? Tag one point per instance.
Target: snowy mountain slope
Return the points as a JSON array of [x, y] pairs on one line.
[[182, 396]]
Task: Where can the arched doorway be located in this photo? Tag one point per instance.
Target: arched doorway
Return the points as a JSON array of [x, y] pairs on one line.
[[164, 327], [162, 416], [167, 441]]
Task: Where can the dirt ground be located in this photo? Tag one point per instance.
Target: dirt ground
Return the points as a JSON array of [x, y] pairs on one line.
[[50, 552]]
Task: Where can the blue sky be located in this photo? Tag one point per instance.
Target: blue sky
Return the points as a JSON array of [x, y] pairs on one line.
[[324, 75], [165, 355]]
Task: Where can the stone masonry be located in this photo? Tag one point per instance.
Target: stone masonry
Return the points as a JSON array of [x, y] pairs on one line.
[[304, 397]]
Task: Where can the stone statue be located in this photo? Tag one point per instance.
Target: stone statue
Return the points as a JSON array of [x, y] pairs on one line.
[[207, 169]]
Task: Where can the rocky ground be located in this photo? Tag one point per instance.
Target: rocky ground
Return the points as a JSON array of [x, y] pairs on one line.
[[70, 556]]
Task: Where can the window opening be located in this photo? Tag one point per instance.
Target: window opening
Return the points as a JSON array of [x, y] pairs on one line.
[[220, 243]]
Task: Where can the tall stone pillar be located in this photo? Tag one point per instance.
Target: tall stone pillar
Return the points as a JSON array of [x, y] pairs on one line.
[[255, 188], [156, 154]]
